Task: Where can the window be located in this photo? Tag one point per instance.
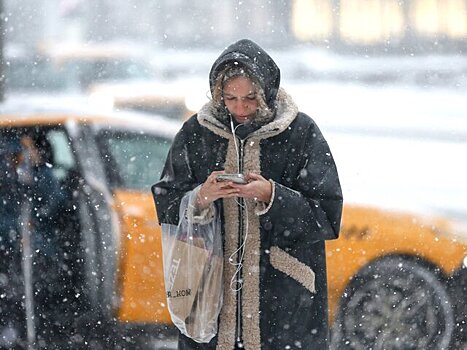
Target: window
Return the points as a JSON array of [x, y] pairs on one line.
[[373, 22], [64, 159], [133, 160], [51, 143], [83, 73]]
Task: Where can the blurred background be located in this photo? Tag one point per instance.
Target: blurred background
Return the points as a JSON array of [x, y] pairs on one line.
[[384, 26], [371, 72], [418, 42], [306, 31], [384, 79]]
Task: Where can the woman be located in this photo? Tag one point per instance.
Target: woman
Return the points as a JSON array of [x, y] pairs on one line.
[[275, 225]]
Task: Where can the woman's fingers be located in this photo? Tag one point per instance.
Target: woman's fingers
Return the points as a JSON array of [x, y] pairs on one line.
[[254, 177], [259, 189], [212, 178]]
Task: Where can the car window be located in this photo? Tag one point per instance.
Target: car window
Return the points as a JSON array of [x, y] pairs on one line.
[[33, 74], [125, 70], [82, 73], [64, 159], [133, 160], [37, 73]]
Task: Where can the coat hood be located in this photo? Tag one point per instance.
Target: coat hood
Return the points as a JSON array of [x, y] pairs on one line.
[[249, 54]]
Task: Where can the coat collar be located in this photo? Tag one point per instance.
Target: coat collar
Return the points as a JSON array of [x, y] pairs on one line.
[[286, 113]]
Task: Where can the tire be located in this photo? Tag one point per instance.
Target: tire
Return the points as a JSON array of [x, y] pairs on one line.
[[395, 303]]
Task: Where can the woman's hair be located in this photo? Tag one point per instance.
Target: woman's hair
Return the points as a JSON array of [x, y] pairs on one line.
[[263, 114]]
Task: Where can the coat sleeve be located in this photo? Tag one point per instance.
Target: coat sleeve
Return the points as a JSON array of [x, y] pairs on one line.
[[177, 179], [310, 210]]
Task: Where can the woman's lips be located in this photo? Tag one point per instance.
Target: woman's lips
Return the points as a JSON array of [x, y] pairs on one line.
[[242, 117]]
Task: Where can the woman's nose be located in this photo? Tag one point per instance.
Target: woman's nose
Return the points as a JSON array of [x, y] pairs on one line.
[[241, 105]]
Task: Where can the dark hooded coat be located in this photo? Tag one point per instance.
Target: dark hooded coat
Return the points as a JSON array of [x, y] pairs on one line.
[[283, 301]]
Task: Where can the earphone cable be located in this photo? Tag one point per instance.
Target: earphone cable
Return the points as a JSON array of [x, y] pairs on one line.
[[241, 249]]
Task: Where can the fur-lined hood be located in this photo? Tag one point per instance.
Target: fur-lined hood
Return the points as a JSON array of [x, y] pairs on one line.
[[250, 55], [286, 112]]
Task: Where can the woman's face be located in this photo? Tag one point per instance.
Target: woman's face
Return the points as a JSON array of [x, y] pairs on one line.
[[240, 99]]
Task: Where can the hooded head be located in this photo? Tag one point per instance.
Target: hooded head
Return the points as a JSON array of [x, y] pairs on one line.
[[246, 58]]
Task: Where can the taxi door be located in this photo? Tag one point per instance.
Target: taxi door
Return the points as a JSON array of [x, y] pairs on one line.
[[99, 223]]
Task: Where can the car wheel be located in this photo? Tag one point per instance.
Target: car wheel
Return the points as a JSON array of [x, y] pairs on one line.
[[395, 303]]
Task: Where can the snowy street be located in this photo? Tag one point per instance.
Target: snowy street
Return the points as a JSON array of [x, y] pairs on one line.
[[114, 114]]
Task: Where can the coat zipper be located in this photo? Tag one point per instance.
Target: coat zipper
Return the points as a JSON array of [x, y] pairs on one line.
[[239, 256]]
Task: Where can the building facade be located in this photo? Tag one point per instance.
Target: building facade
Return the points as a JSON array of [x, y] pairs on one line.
[[386, 25]]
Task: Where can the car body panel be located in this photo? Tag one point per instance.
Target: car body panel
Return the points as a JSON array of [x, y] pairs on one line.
[[142, 289], [369, 233]]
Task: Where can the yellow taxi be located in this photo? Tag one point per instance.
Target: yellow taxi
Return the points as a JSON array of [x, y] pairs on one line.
[[393, 278], [107, 284]]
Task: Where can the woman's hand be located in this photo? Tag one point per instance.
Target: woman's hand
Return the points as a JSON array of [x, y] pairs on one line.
[[257, 188], [213, 189]]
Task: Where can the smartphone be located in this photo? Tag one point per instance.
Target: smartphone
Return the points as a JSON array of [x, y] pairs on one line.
[[237, 178]]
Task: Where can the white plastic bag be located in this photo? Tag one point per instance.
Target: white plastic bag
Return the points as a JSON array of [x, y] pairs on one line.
[[193, 269]]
